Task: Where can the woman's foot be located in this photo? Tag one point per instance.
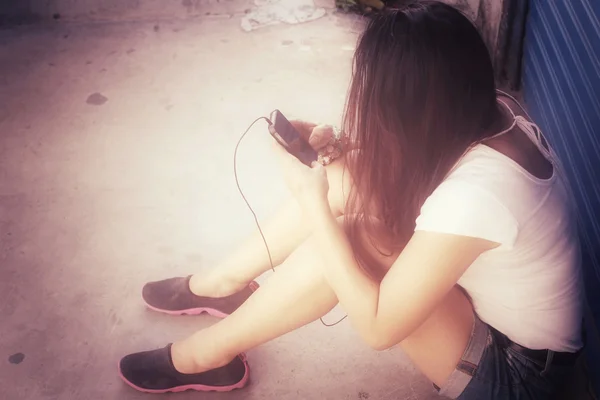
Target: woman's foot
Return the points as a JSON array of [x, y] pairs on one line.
[[154, 372], [177, 296]]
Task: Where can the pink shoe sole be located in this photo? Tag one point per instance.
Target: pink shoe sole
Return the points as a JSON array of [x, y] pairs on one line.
[[190, 311], [200, 388]]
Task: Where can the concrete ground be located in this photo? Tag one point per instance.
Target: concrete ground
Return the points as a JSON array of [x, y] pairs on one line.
[[116, 144]]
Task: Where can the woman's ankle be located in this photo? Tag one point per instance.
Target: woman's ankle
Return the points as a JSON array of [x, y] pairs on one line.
[[212, 284], [188, 360]]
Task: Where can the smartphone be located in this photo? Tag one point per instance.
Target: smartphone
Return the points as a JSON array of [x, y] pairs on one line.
[[287, 136]]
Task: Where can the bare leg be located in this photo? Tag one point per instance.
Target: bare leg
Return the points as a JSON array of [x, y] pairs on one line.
[[284, 232], [297, 294]]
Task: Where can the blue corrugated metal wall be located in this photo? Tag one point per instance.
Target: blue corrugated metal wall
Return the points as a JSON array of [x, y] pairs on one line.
[[561, 85]]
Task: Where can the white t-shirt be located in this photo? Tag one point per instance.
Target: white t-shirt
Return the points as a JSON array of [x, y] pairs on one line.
[[530, 287]]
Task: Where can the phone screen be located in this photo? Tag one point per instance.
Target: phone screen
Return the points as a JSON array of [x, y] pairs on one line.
[[285, 133]]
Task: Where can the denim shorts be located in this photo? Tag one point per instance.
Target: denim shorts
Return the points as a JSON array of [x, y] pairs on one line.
[[489, 371]]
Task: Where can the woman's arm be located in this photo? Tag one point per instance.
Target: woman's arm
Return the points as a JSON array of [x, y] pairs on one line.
[[426, 270]]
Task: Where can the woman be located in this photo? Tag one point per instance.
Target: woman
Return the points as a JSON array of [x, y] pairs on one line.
[[447, 231]]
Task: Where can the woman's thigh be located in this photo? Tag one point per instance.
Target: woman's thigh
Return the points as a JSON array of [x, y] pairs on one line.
[[438, 344]]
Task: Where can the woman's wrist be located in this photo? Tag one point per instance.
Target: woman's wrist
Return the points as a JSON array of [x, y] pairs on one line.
[[334, 147]]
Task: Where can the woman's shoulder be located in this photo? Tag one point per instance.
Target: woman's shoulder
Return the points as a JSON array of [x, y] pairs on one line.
[[489, 197], [484, 165], [499, 177], [469, 202]]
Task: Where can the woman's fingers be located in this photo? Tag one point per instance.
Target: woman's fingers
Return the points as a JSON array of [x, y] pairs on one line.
[[304, 128], [316, 135], [284, 156], [320, 136]]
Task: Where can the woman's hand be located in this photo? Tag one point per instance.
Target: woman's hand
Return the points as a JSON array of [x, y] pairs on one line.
[[318, 136], [308, 185], [328, 141]]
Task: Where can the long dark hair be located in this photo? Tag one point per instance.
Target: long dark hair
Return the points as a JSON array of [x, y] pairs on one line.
[[422, 92]]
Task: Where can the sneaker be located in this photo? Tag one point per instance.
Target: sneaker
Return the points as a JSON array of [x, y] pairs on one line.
[[173, 296], [154, 372]]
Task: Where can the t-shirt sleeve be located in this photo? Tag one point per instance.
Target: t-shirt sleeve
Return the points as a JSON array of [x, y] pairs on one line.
[[465, 209]]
